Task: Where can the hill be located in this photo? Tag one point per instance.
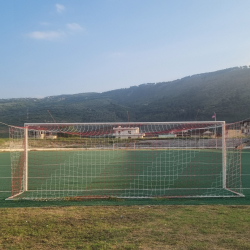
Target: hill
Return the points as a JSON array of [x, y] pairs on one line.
[[226, 92]]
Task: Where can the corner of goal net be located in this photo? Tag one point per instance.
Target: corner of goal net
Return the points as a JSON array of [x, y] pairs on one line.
[[14, 197]]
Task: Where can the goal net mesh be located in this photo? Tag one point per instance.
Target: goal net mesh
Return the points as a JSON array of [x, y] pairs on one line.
[[126, 160]]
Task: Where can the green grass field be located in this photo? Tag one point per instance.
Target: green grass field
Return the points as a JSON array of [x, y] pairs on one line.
[[124, 223], [124, 174], [126, 227]]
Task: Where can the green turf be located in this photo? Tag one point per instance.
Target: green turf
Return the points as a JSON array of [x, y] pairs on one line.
[[5, 174], [125, 173], [101, 177]]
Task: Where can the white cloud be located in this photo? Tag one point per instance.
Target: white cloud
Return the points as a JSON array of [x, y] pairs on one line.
[[74, 26], [45, 35], [59, 8]]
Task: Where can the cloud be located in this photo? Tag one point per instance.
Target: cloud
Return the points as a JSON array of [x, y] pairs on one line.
[[59, 8], [45, 35], [74, 26]]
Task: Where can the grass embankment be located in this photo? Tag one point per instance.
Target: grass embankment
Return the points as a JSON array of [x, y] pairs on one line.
[[4, 143], [119, 227]]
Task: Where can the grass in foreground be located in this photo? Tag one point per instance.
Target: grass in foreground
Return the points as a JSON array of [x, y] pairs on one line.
[[120, 227]]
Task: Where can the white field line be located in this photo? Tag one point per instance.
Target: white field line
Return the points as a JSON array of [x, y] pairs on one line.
[[101, 148], [119, 189], [107, 176], [102, 189]]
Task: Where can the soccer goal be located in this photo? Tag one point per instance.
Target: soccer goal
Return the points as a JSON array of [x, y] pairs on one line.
[[125, 160]]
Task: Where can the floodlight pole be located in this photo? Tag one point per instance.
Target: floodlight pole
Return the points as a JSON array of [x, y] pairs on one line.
[[224, 156], [25, 171]]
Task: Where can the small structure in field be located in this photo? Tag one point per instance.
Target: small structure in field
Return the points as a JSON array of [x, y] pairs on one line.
[[232, 133], [183, 133], [209, 134], [245, 127], [41, 134], [127, 133]]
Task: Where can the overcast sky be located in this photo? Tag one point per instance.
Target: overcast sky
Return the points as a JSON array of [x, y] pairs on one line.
[[52, 47]]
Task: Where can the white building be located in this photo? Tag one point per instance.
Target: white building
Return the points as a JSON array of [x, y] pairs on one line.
[[41, 134], [208, 133], [245, 127], [127, 133]]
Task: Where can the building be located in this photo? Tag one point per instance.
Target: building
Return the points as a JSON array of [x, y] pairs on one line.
[[127, 133], [232, 133], [183, 133], [245, 127], [41, 134], [209, 134]]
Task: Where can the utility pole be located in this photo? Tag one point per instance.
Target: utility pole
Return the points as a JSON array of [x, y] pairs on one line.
[[51, 116], [128, 118], [197, 114], [27, 114]]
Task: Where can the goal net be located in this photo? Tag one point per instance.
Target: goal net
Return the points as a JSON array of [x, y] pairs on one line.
[[126, 160]]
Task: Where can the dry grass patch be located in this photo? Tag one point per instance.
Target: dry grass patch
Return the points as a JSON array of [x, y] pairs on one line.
[[120, 227]]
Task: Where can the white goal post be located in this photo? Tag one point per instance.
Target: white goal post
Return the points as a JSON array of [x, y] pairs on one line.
[[126, 160]]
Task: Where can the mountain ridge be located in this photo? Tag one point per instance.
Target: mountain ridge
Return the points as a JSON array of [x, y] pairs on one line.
[[226, 92]]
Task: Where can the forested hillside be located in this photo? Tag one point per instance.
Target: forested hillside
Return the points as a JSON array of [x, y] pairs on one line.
[[226, 92]]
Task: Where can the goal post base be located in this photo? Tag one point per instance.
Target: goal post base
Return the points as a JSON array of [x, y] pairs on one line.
[[29, 196], [14, 197]]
